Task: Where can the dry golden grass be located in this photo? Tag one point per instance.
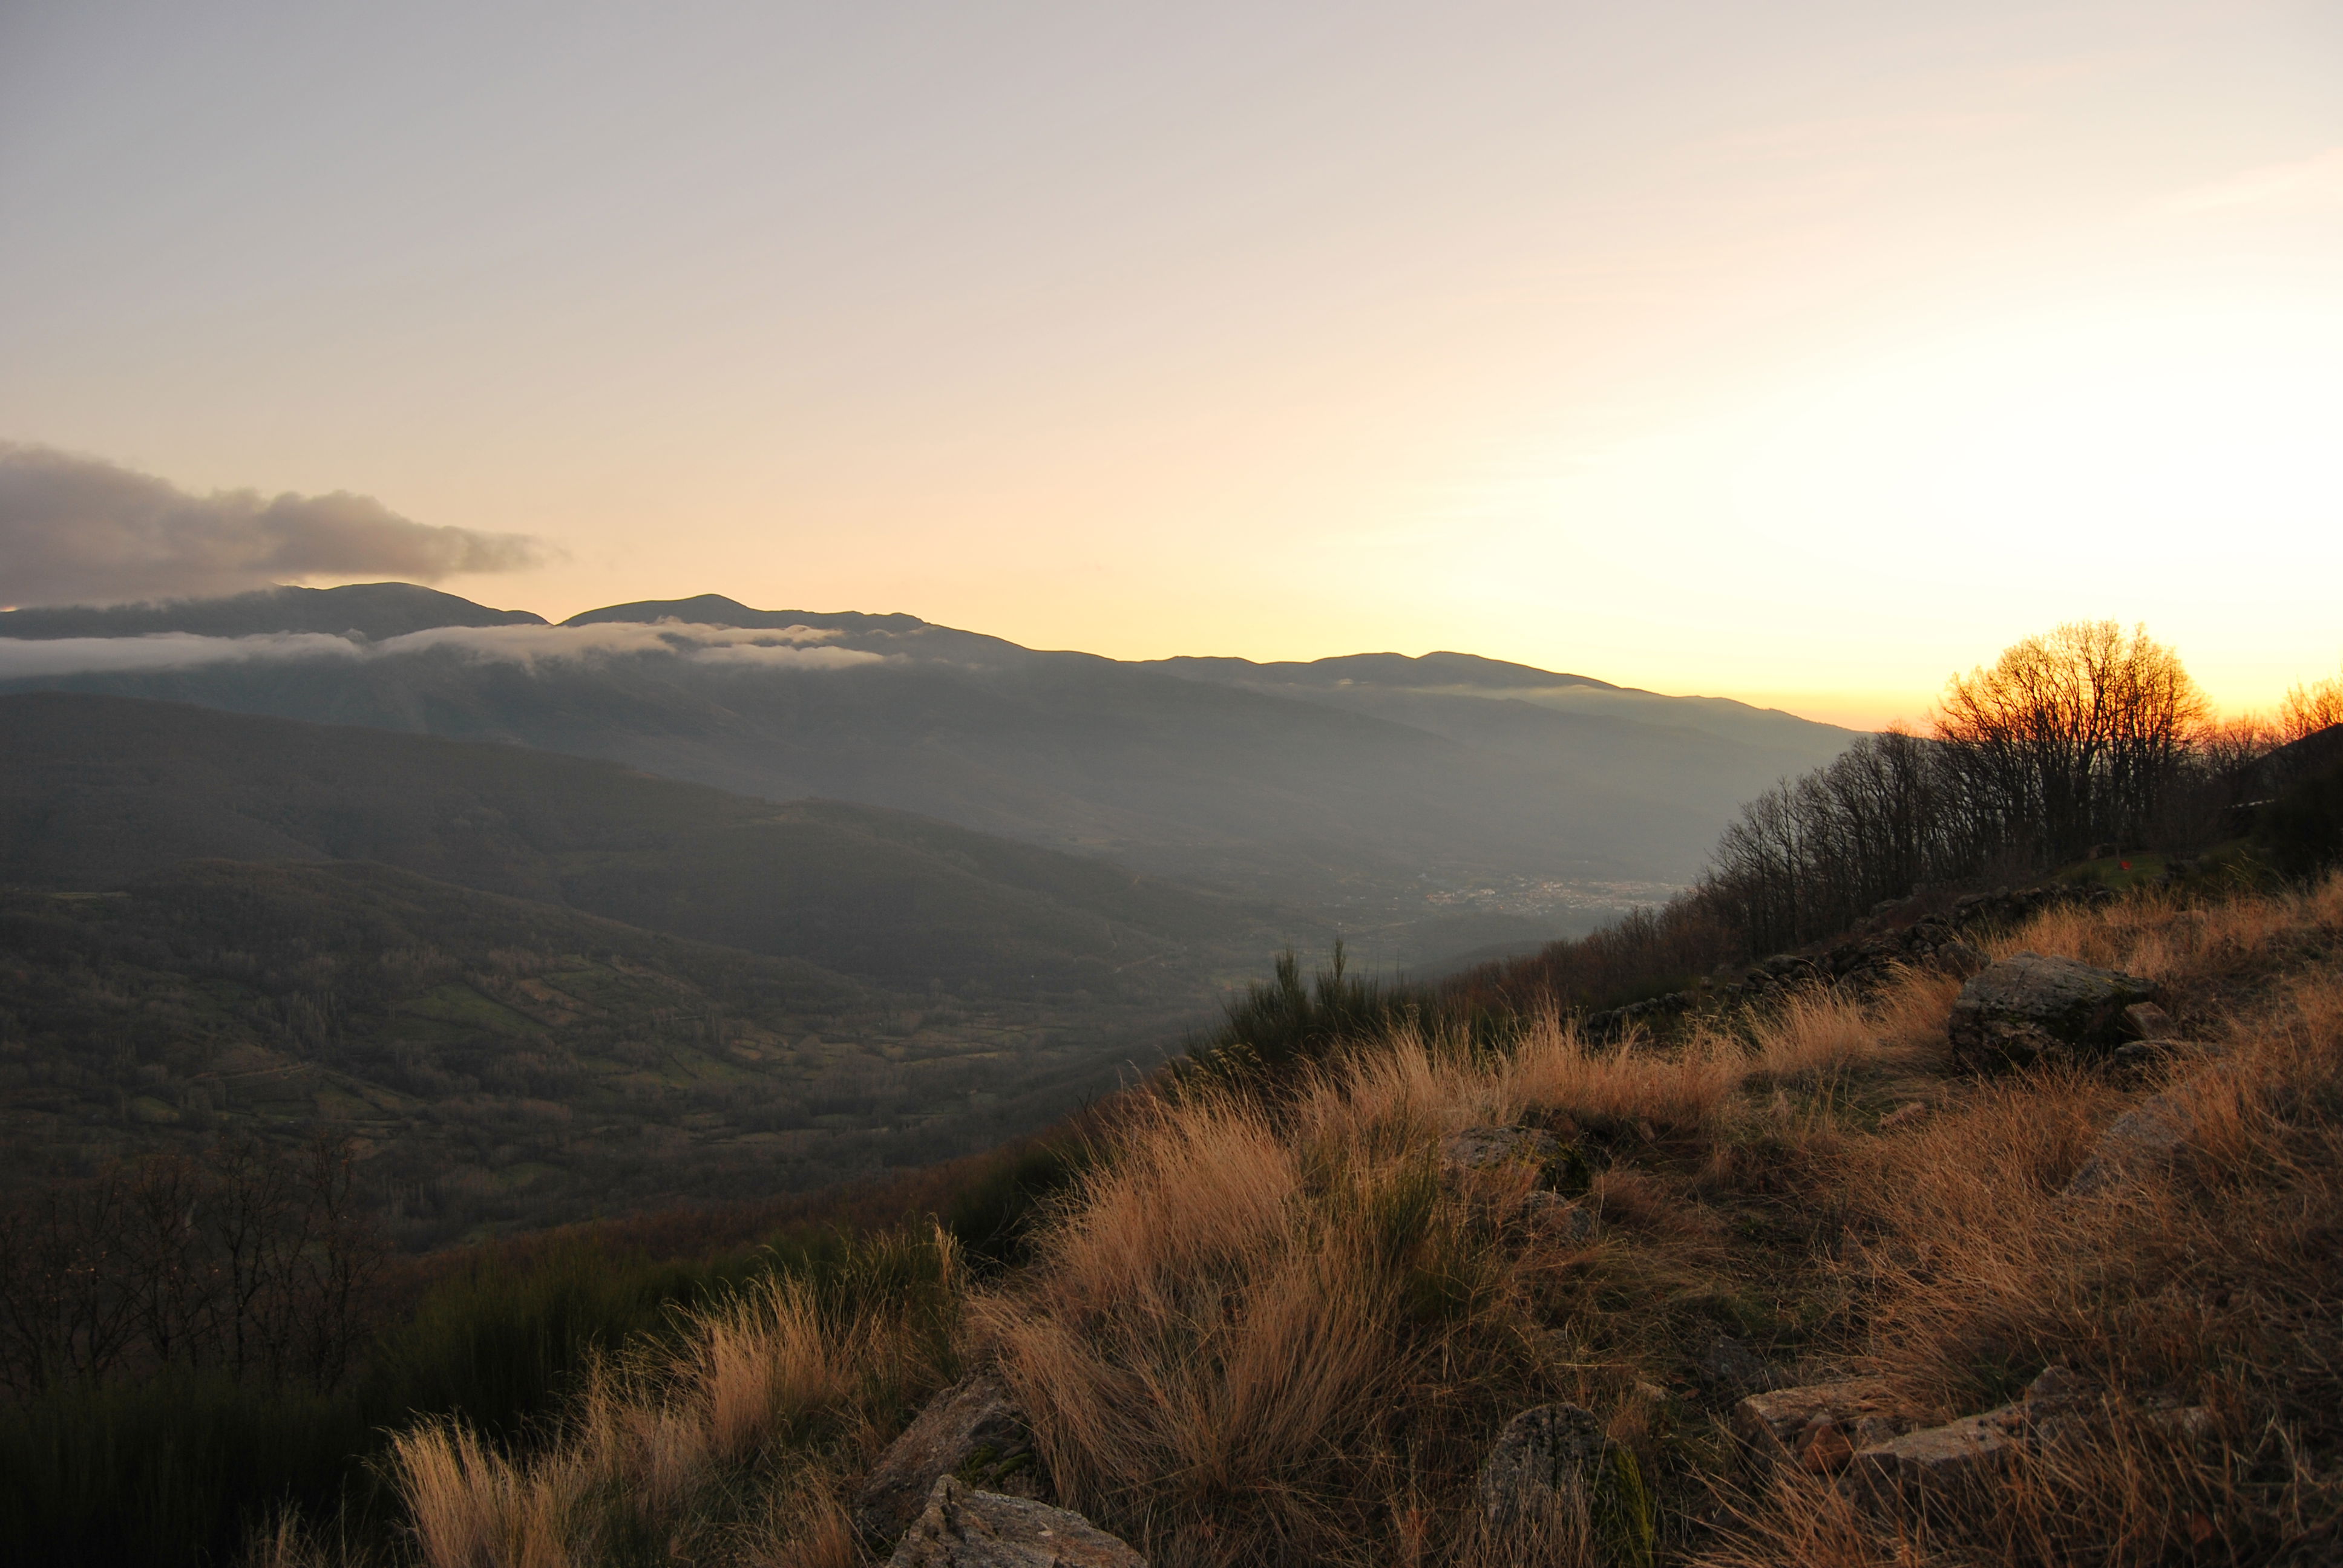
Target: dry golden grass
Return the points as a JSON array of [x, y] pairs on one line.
[[2212, 1279], [724, 1442], [1281, 1334]]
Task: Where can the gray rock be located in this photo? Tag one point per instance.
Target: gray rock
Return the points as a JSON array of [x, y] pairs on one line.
[[1559, 1220], [2030, 1007], [962, 1528], [2145, 1021], [972, 1431], [2150, 1134], [1541, 1466], [1936, 1464], [1775, 1418], [1960, 957], [1818, 1426], [2059, 1394], [1484, 1148]]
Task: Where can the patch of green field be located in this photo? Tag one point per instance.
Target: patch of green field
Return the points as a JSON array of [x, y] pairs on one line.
[[460, 1004]]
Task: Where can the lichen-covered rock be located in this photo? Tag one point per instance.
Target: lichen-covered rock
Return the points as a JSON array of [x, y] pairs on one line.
[[2032, 1006], [963, 1528], [1555, 1462], [971, 1431]]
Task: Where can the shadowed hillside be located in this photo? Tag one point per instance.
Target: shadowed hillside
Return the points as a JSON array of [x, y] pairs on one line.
[[100, 790], [497, 1059]]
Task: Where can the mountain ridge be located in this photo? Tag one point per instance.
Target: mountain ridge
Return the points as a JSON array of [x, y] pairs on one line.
[[1372, 789]]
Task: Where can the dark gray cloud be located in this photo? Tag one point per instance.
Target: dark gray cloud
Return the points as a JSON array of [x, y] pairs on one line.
[[81, 531]]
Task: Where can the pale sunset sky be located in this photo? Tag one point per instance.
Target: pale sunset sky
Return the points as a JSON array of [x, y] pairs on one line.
[[1802, 353]]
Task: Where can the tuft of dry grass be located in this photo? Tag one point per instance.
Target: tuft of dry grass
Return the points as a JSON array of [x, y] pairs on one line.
[[726, 1441], [1244, 1342]]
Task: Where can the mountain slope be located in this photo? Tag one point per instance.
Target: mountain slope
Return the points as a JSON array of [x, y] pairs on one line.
[[98, 790]]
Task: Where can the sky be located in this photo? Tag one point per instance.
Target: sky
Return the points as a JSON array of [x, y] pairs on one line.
[[1802, 353]]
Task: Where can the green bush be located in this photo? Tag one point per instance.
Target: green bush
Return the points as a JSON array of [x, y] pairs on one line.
[[1289, 1022]]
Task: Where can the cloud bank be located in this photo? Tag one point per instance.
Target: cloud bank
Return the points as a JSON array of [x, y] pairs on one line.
[[796, 648], [81, 531]]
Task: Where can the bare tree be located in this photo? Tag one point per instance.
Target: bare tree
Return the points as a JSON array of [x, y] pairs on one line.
[[2308, 709], [257, 1260], [2070, 738]]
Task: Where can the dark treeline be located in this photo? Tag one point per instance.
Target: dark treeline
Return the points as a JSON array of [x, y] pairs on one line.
[[250, 1261], [2088, 739], [2087, 736]]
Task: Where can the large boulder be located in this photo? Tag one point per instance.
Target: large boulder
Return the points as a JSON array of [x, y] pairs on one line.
[[2031, 1006], [972, 1431], [964, 1528]]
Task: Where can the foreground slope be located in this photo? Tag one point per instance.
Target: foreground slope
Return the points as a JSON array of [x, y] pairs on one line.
[[1288, 1329]]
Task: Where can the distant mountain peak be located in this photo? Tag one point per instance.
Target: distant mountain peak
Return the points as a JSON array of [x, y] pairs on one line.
[[373, 610], [1392, 669], [715, 609]]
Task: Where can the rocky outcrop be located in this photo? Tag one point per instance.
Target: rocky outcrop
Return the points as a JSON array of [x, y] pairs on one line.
[[2031, 1007], [964, 1528], [1939, 1468], [1934, 1464], [971, 1431]]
